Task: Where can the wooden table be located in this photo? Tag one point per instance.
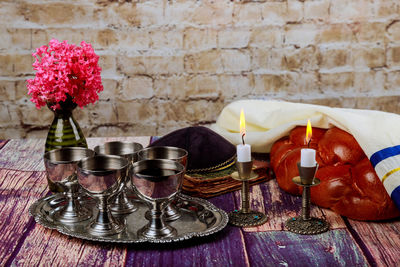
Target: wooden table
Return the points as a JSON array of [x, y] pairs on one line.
[[25, 243]]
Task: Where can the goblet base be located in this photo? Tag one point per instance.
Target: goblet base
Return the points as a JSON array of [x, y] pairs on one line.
[[122, 205], [311, 226], [105, 229], [247, 219], [67, 216], [153, 233]]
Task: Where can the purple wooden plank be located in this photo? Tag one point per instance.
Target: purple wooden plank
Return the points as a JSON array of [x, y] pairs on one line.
[[277, 248], [23, 155], [18, 190], [379, 240], [222, 249]]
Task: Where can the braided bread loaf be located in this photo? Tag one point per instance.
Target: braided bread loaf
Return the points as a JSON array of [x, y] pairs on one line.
[[349, 184]]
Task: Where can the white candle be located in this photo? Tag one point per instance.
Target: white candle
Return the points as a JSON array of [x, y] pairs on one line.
[[307, 157], [243, 153]]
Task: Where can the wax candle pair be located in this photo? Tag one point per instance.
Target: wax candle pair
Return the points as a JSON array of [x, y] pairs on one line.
[[243, 150]]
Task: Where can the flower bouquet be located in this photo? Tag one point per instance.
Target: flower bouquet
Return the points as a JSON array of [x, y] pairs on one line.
[[66, 76]]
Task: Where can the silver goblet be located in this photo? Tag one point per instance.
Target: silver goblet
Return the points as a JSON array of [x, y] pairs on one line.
[[61, 165], [121, 204], [180, 155], [157, 182], [101, 177]]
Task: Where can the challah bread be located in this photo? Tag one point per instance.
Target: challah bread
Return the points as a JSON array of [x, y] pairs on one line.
[[349, 184]]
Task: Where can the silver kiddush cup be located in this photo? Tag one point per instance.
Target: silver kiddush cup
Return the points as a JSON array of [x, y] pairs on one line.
[[61, 166], [180, 155], [157, 182], [101, 177], [121, 204]]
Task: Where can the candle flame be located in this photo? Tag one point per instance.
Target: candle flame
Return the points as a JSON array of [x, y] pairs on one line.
[[308, 132], [242, 125]]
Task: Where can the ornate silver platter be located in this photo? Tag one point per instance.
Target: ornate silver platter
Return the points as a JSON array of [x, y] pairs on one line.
[[198, 218]]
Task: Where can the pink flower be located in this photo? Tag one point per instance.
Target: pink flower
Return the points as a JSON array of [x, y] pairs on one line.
[[65, 69]]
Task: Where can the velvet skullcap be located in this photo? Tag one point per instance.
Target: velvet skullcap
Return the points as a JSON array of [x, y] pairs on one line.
[[207, 150]]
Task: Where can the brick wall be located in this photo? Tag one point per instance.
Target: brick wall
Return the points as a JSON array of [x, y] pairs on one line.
[[169, 64]]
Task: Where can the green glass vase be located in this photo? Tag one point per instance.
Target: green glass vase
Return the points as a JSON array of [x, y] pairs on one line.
[[64, 130]]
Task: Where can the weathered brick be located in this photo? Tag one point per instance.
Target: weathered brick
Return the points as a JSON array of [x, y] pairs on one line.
[[170, 38], [16, 64], [137, 87], [30, 115], [180, 12], [300, 34], [233, 86], [7, 90], [172, 87], [111, 89], [300, 84], [235, 60], [335, 33], [12, 132], [152, 64], [304, 59], [191, 111], [356, 10], [210, 12], [336, 82], [15, 38], [268, 36], [234, 38], [393, 32], [295, 11], [268, 59], [332, 58], [372, 81], [247, 14], [9, 114], [316, 10], [371, 57], [393, 81], [372, 32], [136, 111], [387, 9], [393, 56], [203, 62], [202, 86], [276, 12], [104, 112], [269, 83], [57, 13], [108, 64], [203, 39]]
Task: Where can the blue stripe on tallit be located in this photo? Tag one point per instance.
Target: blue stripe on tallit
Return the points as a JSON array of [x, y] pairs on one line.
[[396, 196], [384, 154]]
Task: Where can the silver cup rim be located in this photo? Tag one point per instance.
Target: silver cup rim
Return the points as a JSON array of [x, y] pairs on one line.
[[167, 148], [96, 149], [169, 161], [102, 172], [47, 154]]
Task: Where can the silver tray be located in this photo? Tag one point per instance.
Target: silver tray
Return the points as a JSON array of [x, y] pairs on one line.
[[198, 218]]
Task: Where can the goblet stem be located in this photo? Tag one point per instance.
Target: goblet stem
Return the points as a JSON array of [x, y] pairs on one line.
[[305, 203], [245, 207]]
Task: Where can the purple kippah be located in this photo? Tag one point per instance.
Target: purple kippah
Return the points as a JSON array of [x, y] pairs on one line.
[[207, 150]]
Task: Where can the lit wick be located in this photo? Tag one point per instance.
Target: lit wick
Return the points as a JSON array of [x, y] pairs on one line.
[[243, 138]]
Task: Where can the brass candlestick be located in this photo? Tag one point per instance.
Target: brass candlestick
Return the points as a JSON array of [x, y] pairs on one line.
[[245, 217], [305, 224]]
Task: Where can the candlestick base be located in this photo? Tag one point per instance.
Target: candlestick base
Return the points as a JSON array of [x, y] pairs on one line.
[[310, 226], [236, 176], [247, 219]]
